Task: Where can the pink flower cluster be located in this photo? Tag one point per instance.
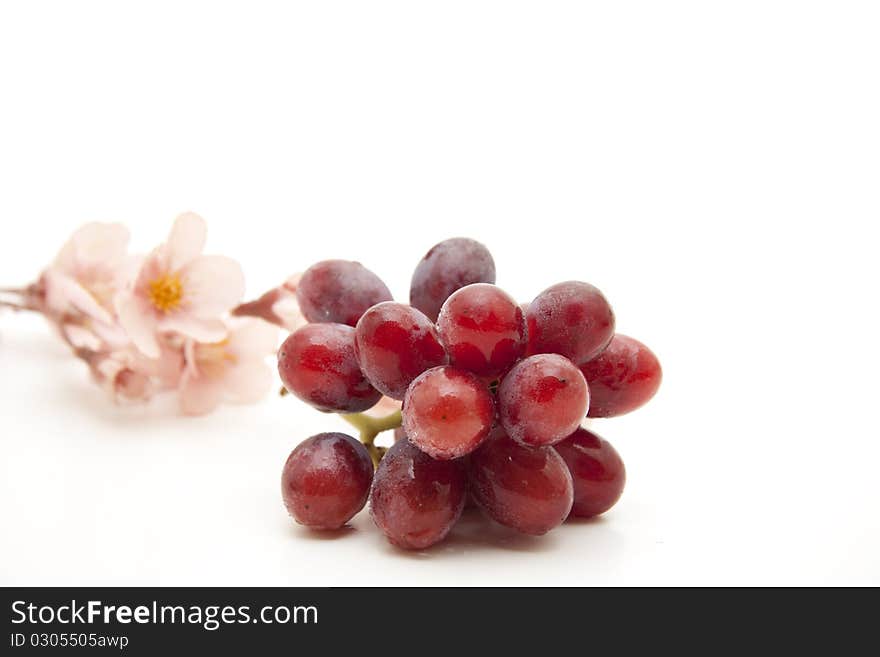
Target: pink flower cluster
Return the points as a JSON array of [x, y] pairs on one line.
[[170, 320]]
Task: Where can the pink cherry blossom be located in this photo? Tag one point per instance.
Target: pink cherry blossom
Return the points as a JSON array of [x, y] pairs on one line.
[[177, 289], [80, 337], [278, 306], [128, 375], [160, 322], [168, 369], [233, 370], [286, 308], [86, 274], [125, 375]]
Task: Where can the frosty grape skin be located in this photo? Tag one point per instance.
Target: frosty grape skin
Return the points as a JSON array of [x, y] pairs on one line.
[[447, 412], [597, 472], [483, 329], [572, 319], [493, 392], [448, 266], [416, 500], [326, 480], [395, 343], [400, 434], [543, 399], [317, 363], [622, 378], [527, 489], [339, 291]]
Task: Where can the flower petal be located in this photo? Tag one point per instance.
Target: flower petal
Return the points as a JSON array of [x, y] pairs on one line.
[[253, 338], [292, 283], [186, 240], [169, 367], [111, 334], [248, 382], [93, 243], [199, 396], [139, 321], [212, 285], [129, 271], [131, 385], [101, 243], [64, 293], [287, 310], [202, 330], [81, 337]]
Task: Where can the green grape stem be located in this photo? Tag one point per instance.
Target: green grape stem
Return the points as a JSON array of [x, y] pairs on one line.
[[370, 427]]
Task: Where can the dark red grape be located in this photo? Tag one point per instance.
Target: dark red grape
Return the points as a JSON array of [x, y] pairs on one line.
[[483, 329], [448, 266], [543, 399], [326, 480], [448, 412], [317, 363], [572, 319], [415, 499], [597, 471], [528, 489], [395, 343], [339, 291], [622, 378]]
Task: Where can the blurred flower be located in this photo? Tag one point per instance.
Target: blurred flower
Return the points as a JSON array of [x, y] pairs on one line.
[[160, 322], [168, 369], [130, 376], [177, 289], [80, 337], [277, 306], [286, 308], [87, 272], [126, 375], [233, 369]]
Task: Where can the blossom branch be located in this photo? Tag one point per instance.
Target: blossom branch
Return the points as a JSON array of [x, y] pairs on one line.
[[172, 319], [12, 305], [277, 306]]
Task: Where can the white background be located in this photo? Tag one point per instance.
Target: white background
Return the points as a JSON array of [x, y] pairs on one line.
[[712, 166]]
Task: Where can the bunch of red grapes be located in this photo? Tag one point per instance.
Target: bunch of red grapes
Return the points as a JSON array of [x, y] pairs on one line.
[[493, 392]]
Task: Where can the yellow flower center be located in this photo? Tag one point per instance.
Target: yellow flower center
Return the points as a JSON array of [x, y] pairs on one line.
[[166, 292]]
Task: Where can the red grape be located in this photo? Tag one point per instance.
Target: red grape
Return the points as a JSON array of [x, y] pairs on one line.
[[572, 319], [483, 329], [317, 363], [493, 393], [622, 378], [415, 499], [447, 412], [450, 265], [528, 489], [597, 471], [542, 400], [339, 291], [395, 343], [326, 480]]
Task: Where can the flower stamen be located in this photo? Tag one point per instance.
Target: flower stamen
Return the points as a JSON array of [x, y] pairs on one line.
[[166, 292]]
